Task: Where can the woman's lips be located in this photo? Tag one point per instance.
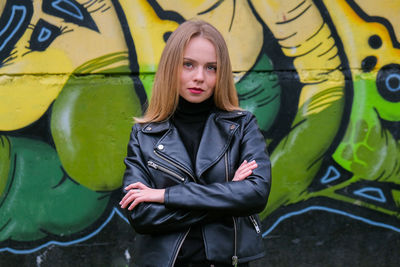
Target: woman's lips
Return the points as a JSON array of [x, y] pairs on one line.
[[195, 90]]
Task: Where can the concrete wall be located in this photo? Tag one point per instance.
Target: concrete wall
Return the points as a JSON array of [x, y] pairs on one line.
[[322, 78]]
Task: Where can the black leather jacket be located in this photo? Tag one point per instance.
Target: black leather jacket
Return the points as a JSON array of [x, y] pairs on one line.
[[201, 194]]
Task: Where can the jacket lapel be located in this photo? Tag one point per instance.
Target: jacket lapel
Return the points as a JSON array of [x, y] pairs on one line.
[[215, 140], [217, 135], [171, 146]]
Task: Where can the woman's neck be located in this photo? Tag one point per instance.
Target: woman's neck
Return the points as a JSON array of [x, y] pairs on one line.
[[189, 111]]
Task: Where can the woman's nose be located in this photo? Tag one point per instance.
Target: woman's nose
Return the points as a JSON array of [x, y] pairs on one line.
[[199, 75]]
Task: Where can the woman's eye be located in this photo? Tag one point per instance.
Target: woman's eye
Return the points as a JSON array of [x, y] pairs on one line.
[[212, 68], [187, 64]]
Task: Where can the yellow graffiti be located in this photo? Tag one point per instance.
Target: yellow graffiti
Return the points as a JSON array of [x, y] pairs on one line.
[[147, 30], [237, 24], [40, 76], [24, 99], [87, 85], [388, 9], [355, 34], [302, 34]]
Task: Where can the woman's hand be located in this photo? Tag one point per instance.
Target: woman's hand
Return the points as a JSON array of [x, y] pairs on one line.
[[138, 193], [244, 170]]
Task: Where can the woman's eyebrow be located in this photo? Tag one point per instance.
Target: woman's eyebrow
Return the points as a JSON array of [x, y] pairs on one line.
[[190, 59]]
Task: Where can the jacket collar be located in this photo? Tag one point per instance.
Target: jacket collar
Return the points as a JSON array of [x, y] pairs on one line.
[[217, 134], [157, 127]]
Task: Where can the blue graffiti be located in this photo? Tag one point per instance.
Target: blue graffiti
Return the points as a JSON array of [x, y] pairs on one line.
[[331, 210], [22, 11], [391, 81], [78, 14], [69, 243], [44, 34], [369, 193], [331, 175]]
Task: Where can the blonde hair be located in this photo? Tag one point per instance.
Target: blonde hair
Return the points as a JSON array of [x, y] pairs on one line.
[[165, 92]]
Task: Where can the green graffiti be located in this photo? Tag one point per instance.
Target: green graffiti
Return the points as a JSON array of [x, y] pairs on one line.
[[91, 122], [259, 92], [341, 147], [5, 164], [147, 79], [298, 157], [368, 150], [40, 200]]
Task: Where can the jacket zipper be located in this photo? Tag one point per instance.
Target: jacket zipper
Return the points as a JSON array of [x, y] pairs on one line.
[[176, 165], [179, 247], [253, 220], [226, 167], [163, 169], [234, 257], [194, 179]]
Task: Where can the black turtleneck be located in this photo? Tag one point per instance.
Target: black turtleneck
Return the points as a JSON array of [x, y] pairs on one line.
[[190, 118]]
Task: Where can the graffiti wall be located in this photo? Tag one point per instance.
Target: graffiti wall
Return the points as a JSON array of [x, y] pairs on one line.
[[322, 78]]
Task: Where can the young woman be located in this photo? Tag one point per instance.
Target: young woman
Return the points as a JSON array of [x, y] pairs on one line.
[[197, 172]]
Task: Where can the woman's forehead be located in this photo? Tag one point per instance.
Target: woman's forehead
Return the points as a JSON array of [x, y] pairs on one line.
[[200, 48]]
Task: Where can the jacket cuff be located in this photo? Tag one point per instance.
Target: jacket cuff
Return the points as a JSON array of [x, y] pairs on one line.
[[166, 196]]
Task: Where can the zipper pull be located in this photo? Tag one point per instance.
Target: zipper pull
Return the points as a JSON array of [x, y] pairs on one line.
[[253, 220], [234, 261], [152, 164]]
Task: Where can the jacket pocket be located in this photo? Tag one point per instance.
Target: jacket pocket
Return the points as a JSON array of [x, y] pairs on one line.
[[173, 175], [255, 223], [250, 242]]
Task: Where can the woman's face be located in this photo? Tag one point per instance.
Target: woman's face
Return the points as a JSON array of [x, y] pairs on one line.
[[199, 70]]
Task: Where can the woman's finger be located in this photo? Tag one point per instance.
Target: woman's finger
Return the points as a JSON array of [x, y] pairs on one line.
[[244, 175], [136, 202], [125, 197], [243, 163], [131, 186], [247, 164], [251, 167], [130, 196], [133, 205], [244, 170], [128, 200], [144, 194], [247, 168], [137, 185]]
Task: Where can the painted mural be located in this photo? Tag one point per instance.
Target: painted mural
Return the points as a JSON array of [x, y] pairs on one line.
[[322, 78]]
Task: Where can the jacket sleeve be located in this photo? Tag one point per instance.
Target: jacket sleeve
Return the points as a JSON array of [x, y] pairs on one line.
[[241, 198], [151, 218]]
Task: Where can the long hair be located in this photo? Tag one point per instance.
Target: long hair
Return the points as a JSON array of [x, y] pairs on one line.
[[165, 92]]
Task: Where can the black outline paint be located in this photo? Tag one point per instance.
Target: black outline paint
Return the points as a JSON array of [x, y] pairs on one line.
[[376, 19], [133, 61]]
